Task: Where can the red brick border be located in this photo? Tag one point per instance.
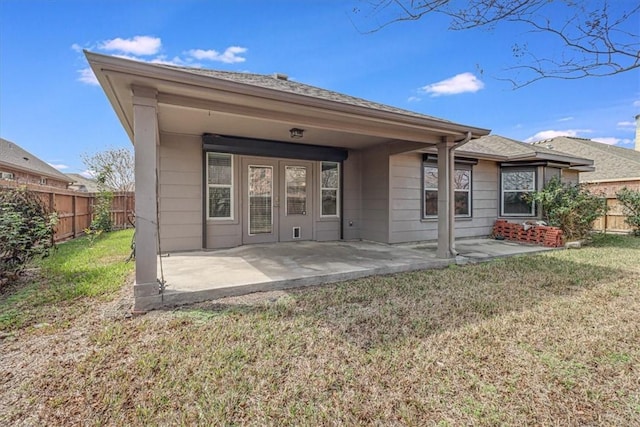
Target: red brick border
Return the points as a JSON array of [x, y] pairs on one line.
[[536, 234]]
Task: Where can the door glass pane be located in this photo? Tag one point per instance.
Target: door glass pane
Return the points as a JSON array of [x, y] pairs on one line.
[[260, 199], [296, 183]]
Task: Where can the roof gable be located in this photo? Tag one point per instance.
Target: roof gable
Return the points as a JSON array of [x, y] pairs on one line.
[[14, 156]]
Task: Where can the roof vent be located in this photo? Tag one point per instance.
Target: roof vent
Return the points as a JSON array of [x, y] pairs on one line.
[[280, 76]]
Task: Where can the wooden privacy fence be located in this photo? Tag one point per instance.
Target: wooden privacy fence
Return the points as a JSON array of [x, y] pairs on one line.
[[614, 220], [75, 209]]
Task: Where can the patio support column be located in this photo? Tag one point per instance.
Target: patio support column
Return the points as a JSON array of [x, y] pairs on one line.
[[145, 131], [446, 220]]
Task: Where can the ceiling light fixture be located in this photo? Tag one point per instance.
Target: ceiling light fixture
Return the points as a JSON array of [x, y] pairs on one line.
[[296, 133]]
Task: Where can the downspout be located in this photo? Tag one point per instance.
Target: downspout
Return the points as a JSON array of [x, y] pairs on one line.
[[452, 200]]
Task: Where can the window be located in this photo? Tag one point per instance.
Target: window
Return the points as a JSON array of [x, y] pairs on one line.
[[516, 184], [462, 190], [43, 181], [220, 185], [329, 189]]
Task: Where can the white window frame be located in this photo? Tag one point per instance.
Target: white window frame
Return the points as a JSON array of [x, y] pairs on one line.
[[337, 189], [457, 167], [532, 212], [230, 186]]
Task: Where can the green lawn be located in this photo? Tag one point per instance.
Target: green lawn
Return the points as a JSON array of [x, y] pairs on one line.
[[550, 339], [74, 270]]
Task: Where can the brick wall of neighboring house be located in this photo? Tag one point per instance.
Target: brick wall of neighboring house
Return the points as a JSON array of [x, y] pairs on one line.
[[22, 177], [615, 219]]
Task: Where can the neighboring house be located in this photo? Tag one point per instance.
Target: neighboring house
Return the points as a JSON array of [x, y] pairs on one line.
[[82, 184], [615, 168], [243, 158], [20, 166]]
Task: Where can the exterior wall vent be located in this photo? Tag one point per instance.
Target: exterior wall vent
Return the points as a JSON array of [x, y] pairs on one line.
[[296, 232]]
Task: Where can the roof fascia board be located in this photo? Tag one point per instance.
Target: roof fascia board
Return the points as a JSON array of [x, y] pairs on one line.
[[573, 161]]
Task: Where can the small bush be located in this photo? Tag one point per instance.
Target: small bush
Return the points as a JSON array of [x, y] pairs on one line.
[[26, 229], [101, 222], [630, 200], [571, 207]]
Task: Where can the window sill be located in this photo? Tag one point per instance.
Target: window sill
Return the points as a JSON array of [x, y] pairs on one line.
[[212, 221]]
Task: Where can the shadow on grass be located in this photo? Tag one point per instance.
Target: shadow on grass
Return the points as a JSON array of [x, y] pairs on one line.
[[384, 310]]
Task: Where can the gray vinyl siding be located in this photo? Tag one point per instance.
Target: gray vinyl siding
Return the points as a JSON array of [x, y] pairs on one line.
[[406, 223], [180, 187], [375, 195], [352, 188]]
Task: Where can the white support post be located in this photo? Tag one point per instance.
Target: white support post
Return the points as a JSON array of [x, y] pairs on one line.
[[446, 219], [145, 129]]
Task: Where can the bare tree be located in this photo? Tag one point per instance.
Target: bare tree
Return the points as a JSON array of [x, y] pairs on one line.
[[115, 166], [596, 37]]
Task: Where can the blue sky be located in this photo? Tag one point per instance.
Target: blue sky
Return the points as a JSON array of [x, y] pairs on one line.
[[50, 106]]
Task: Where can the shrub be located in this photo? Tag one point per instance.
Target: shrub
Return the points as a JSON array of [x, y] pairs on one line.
[[26, 229], [101, 222], [571, 207], [630, 200]]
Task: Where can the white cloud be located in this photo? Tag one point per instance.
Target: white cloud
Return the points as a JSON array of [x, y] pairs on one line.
[[636, 103], [461, 83], [548, 134], [138, 45], [230, 56], [87, 174], [565, 119], [59, 166], [87, 76], [626, 124], [76, 47], [612, 140], [414, 99]]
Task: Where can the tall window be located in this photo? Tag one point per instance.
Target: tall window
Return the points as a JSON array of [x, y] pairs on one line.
[[220, 185], [330, 189], [516, 185], [462, 190]]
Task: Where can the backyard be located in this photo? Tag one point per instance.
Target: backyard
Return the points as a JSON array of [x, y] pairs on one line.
[[550, 339]]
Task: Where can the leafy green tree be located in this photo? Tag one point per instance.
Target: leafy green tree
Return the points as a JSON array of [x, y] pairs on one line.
[[630, 200]]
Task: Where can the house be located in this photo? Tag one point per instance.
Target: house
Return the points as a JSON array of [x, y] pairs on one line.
[[82, 184], [615, 168], [20, 166], [243, 158]]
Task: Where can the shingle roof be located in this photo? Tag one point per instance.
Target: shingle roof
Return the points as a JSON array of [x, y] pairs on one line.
[[499, 146], [90, 185], [13, 156], [283, 84], [611, 162]]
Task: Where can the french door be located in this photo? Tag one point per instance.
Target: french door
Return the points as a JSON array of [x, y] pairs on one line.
[[277, 201]]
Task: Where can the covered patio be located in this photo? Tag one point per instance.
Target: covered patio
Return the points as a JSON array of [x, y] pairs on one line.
[[204, 275]]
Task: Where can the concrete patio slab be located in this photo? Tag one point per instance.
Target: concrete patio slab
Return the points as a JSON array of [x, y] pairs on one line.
[[199, 276]]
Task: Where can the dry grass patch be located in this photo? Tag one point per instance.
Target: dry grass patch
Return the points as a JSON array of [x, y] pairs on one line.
[[541, 340]]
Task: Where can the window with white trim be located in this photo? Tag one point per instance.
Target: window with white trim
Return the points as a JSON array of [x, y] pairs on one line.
[[516, 184], [462, 190], [220, 186], [330, 189]]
